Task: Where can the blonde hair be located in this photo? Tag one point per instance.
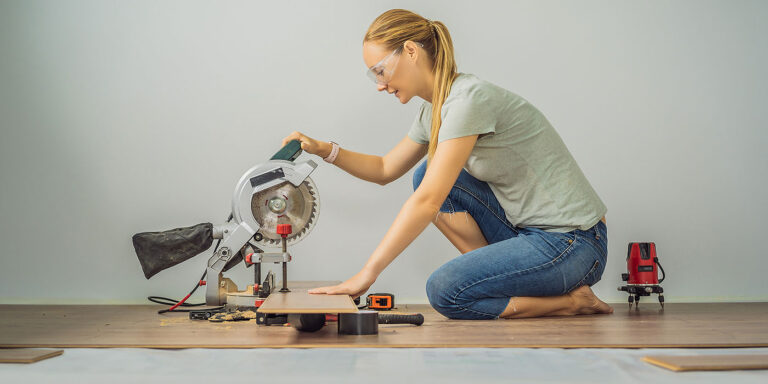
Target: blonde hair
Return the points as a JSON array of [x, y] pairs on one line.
[[396, 26]]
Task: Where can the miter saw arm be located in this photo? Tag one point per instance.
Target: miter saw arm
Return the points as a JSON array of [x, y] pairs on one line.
[[267, 197]]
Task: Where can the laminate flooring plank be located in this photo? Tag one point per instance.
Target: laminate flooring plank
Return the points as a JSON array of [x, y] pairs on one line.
[[300, 301], [708, 362], [26, 355]]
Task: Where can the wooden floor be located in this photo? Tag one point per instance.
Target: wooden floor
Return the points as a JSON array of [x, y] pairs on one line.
[[677, 326]]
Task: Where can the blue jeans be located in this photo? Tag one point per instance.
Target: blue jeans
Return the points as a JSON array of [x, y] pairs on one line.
[[516, 262]]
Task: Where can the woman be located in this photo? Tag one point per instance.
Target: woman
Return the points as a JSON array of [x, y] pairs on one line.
[[530, 228]]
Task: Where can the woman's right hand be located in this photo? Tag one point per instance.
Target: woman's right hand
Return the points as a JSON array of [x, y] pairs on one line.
[[308, 144]]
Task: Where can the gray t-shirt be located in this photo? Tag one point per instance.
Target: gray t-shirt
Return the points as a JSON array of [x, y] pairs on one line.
[[518, 153]]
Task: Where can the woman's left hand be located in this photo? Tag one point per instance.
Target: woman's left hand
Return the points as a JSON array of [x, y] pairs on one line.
[[355, 286]]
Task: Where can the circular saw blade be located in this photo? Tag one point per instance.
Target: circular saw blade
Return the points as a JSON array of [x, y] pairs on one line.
[[285, 204]]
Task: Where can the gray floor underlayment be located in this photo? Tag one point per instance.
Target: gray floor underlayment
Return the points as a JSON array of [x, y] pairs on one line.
[[370, 365]]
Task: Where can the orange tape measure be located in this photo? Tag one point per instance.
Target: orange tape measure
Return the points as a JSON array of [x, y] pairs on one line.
[[380, 301]]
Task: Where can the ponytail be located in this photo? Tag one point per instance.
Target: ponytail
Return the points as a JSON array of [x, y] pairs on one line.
[[444, 69]]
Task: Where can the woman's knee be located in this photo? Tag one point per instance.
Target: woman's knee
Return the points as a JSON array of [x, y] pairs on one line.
[[437, 289], [441, 292]]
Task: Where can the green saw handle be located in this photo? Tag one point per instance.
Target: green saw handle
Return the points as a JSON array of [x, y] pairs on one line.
[[289, 152]]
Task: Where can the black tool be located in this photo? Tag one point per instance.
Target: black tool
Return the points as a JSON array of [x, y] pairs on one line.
[[364, 322], [367, 322], [307, 322], [204, 314]]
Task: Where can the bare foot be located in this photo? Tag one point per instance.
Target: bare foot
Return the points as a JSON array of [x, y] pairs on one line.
[[586, 303]]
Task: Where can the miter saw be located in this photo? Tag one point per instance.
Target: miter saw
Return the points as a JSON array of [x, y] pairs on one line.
[[274, 204]]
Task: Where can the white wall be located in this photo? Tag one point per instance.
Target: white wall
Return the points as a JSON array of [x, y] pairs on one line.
[[121, 117]]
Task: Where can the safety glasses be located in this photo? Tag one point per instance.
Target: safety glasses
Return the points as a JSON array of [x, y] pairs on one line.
[[382, 72]]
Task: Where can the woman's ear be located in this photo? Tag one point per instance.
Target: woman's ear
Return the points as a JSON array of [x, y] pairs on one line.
[[412, 49]]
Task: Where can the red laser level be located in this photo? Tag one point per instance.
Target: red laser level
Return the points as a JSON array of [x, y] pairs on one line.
[[642, 277]]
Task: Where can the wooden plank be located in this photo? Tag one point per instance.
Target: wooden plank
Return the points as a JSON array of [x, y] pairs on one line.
[[300, 301], [26, 355], [708, 362], [679, 325]]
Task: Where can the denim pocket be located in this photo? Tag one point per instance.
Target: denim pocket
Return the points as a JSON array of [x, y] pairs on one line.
[[559, 240], [551, 244]]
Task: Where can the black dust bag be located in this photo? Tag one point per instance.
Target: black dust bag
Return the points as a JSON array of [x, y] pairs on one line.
[[161, 250]]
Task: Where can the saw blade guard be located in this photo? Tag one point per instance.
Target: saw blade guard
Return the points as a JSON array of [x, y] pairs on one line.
[[277, 192]]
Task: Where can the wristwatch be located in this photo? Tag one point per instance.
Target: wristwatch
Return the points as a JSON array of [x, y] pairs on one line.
[[334, 152]]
